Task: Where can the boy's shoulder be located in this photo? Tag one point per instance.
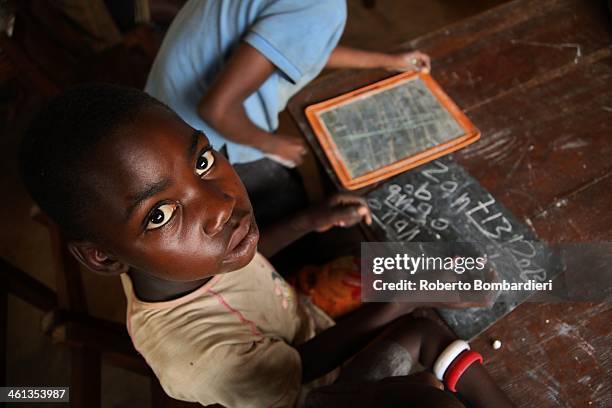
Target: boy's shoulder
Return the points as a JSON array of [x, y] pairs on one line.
[[232, 308], [208, 349]]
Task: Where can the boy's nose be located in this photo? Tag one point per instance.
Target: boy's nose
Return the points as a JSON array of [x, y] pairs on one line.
[[219, 207]]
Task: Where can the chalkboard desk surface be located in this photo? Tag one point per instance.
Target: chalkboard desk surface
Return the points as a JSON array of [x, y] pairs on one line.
[[535, 76]]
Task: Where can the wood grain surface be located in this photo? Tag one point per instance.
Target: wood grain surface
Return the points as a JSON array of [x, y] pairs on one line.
[[535, 76]]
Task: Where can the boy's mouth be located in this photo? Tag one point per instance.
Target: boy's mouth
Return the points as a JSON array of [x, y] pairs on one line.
[[239, 234], [243, 240]]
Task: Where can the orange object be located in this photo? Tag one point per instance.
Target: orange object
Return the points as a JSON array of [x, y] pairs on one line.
[[314, 113], [334, 287]]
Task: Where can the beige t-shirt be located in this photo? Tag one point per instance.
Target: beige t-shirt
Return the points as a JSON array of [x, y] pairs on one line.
[[230, 341]]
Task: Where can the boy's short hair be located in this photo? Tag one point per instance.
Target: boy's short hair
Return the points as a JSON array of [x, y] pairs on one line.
[[59, 140]]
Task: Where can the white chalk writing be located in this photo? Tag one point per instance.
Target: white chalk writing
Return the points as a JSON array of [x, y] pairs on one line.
[[408, 210]]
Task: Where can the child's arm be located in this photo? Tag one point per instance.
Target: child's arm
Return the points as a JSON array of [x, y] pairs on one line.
[[329, 349], [342, 210], [422, 338], [222, 105], [346, 57], [425, 340]]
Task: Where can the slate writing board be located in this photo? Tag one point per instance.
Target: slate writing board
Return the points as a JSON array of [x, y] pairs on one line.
[[385, 128], [441, 201]]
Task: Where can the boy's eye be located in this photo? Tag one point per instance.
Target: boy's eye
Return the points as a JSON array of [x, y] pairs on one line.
[[204, 162], [160, 216]]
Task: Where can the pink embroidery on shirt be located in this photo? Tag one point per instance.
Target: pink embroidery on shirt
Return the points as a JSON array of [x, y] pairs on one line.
[[243, 319], [282, 290]]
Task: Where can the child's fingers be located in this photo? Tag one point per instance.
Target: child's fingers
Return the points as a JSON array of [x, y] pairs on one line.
[[425, 60], [366, 214], [352, 200], [420, 61], [347, 216], [347, 199], [281, 160]]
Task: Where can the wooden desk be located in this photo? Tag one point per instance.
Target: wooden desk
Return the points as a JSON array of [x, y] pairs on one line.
[[536, 77]]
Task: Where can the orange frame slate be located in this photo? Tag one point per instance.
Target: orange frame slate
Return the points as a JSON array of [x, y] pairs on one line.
[[313, 112]]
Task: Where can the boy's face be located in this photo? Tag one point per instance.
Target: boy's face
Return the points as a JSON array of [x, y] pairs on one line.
[[168, 205]]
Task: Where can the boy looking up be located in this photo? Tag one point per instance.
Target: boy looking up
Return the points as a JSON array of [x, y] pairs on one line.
[[141, 194]]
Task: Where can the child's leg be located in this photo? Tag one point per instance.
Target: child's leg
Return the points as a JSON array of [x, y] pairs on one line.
[[381, 359], [423, 340], [378, 376], [395, 351]]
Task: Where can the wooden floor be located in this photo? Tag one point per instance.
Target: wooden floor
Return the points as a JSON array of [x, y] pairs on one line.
[[535, 76]]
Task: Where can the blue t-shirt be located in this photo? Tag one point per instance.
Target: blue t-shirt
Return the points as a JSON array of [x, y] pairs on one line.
[[297, 36]]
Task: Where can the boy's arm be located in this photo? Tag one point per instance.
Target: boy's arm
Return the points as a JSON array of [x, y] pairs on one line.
[[326, 351], [341, 210], [222, 105], [347, 57], [424, 339]]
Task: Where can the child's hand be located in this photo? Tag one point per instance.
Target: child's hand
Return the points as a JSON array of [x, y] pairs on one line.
[[411, 61], [341, 210], [287, 150]]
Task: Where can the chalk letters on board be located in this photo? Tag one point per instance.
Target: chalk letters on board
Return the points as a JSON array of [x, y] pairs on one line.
[[440, 201]]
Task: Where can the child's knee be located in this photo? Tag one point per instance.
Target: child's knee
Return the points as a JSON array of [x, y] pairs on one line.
[[431, 327], [408, 325], [421, 337]]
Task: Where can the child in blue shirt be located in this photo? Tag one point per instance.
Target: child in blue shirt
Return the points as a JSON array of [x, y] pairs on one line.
[[229, 68]]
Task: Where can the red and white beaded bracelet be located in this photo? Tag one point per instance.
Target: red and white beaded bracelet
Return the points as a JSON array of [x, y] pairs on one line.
[[446, 358], [458, 367], [453, 362]]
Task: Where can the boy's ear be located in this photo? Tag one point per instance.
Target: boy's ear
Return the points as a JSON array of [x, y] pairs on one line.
[[96, 259]]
